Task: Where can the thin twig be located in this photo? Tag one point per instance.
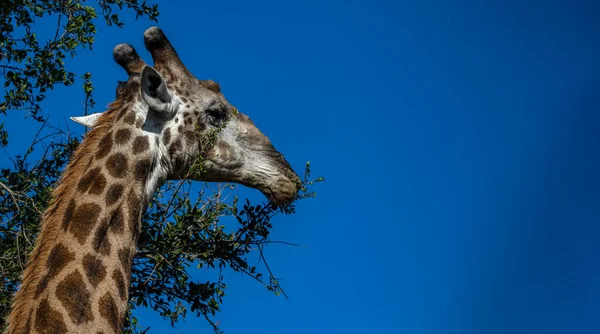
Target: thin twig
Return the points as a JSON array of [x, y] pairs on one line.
[[153, 270], [262, 256], [12, 195]]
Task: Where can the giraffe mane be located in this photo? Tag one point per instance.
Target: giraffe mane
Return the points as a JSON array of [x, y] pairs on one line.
[[51, 220]]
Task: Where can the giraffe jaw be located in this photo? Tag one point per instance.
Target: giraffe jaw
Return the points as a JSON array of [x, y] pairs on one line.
[[278, 183]]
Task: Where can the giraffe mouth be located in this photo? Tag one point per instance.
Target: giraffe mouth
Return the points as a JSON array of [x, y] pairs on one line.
[[277, 181], [283, 194]]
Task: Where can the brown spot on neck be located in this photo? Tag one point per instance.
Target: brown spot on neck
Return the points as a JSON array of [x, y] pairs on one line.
[[93, 182], [115, 224], [75, 298], [102, 244], [68, 214], [104, 146], [126, 257], [113, 194], [121, 112], [59, 258], [83, 221], [122, 136], [134, 204], [141, 144], [48, 320], [142, 170], [130, 118], [109, 311], [120, 282], [94, 269], [117, 165]]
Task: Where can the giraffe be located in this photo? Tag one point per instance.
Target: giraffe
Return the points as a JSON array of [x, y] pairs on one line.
[[77, 277]]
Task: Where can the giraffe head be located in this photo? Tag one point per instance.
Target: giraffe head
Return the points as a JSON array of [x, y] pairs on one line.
[[200, 135]]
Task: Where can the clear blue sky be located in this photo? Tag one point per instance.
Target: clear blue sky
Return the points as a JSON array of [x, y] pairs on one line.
[[460, 143]]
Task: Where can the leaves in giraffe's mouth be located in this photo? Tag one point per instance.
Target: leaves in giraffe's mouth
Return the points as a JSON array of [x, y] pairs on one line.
[[207, 140]]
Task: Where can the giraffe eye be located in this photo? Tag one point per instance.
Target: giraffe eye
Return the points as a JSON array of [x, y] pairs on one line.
[[216, 115]]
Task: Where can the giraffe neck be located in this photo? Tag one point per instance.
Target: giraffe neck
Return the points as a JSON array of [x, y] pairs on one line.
[[78, 275]]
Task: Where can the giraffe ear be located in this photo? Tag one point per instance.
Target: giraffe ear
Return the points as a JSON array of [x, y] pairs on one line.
[[88, 120], [156, 94]]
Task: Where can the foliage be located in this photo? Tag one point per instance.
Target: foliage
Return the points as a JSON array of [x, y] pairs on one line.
[[31, 65], [214, 231]]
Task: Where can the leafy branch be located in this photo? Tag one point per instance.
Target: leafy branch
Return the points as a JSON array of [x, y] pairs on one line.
[[30, 66]]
